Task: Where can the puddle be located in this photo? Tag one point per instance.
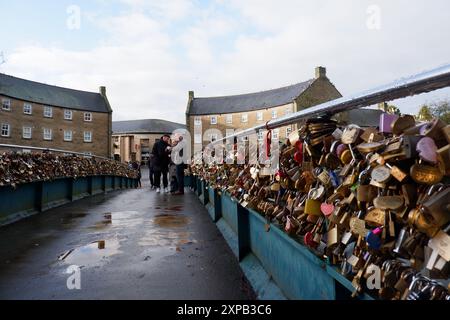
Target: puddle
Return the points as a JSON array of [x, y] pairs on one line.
[[168, 230], [171, 221], [119, 219], [68, 219], [91, 255]]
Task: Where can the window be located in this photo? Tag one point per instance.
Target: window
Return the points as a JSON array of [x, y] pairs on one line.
[[87, 116], [198, 138], [274, 114], [213, 137], [276, 134], [6, 130], [259, 116], [68, 136], [26, 132], [244, 118], [288, 131], [116, 139], [229, 118], [47, 134], [88, 154], [213, 119], [197, 121], [68, 115], [88, 136], [48, 112], [288, 110], [6, 104], [27, 108], [260, 135]]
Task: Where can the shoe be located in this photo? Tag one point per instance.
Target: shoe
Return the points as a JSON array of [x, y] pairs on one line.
[[167, 190], [158, 190]]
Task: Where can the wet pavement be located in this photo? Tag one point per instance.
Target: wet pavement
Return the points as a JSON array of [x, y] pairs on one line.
[[132, 244]]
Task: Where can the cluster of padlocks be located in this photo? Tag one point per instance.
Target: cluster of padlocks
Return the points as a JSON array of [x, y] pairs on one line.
[[21, 168], [361, 199]]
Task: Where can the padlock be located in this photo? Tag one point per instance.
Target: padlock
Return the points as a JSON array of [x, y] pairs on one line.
[[403, 123], [386, 121]]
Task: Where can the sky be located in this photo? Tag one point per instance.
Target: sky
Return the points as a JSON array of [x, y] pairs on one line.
[[150, 53]]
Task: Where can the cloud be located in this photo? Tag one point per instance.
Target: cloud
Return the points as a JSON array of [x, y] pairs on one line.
[[154, 52]]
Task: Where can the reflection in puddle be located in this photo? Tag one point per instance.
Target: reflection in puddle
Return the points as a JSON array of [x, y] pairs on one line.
[[168, 231], [119, 219], [69, 218], [171, 221], [93, 254]]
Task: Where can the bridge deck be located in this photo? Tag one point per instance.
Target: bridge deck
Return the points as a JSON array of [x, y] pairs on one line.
[[132, 244]]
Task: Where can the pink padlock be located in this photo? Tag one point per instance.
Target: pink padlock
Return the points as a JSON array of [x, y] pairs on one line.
[[427, 149], [386, 121]]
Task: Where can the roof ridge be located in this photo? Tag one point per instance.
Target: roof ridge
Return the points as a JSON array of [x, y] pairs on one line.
[[258, 92]]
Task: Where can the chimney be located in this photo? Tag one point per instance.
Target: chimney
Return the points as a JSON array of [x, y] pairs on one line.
[[321, 72], [103, 91], [191, 95]]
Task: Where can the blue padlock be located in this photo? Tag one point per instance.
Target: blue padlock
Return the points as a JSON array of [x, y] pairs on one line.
[[373, 238]]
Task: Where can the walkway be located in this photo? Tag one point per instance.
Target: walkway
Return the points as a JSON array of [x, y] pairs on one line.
[[132, 244]]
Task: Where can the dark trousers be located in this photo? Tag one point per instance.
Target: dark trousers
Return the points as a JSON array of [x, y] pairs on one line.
[[180, 177], [152, 177], [158, 174]]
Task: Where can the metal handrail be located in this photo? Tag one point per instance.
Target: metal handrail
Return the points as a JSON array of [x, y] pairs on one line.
[[13, 146], [427, 81]]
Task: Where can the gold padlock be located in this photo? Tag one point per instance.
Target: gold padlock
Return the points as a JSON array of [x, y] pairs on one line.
[[312, 207]]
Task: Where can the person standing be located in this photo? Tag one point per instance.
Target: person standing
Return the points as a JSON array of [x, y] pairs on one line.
[[151, 171], [161, 151], [137, 167], [180, 168]]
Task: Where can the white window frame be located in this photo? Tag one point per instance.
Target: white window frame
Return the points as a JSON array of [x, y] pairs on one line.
[[66, 135], [260, 135], [244, 118], [27, 132], [214, 119], [198, 138], [276, 134], [274, 114], [47, 134], [68, 114], [48, 112], [28, 108], [6, 104], [87, 136], [88, 117], [288, 131], [5, 127], [213, 137], [259, 116], [197, 121], [229, 119], [288, 110]]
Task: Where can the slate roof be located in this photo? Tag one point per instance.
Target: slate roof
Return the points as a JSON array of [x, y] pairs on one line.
[[146, 126], [248, 102], [52, 95]]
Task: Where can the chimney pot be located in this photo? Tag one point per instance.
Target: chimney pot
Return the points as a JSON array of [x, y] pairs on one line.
[[103, 91], [191, 95]]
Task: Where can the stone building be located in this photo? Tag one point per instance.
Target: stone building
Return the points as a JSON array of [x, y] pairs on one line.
[[133, 140], [248, 110], [34, 114]]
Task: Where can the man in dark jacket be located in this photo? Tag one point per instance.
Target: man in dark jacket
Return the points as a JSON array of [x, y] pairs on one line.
[[161, 151]]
